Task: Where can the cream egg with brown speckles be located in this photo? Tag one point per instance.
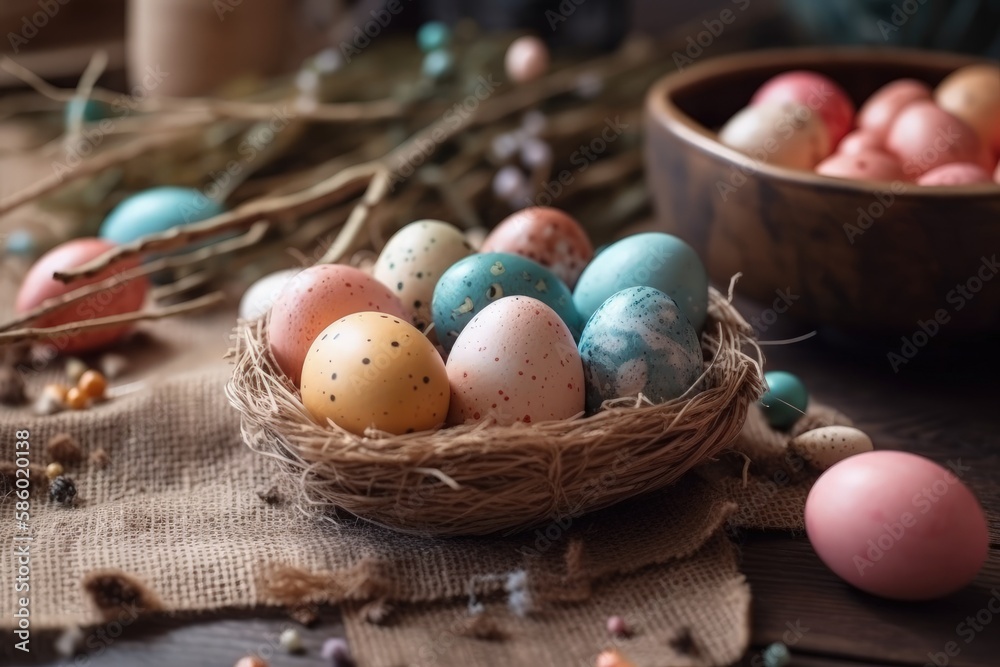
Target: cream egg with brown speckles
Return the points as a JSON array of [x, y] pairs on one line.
[[373, 370], [515, 361]]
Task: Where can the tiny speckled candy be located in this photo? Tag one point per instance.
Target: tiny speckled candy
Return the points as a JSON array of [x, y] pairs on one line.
[[652, 259], [476, 281], [639, 341], [785, 400], [546, 235], [157, 210], [375, 370], [414, 259], [897, 525], [317, 297], [516, 362]]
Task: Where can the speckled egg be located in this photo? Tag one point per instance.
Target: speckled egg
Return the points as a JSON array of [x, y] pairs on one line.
[[652, 259], [157, 210], [39, 285], [317, 297], [260, 296], [373, 370], [784, 135], [546, 235], [815, 91], [476, 281], [515, 362], [639, 341], [414, 259]]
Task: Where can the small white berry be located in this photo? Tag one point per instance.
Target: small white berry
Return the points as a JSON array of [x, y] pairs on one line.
[[291, 641]]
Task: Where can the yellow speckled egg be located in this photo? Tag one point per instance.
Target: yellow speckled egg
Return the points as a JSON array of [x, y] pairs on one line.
[[375, 370]]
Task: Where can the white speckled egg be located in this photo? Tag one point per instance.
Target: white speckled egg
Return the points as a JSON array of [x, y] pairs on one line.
[[375, 370], [516, 361], [259, 297], [414, 259], [639, 341]]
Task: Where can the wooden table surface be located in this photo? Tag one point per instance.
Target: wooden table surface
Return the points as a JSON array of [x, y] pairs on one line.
[[943, 405]]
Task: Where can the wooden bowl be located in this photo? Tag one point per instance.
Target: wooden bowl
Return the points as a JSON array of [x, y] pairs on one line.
[[860, 256]]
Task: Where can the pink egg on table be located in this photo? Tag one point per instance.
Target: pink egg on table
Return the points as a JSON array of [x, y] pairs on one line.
[[879, 110], [956, 173], [815, 91], [39, 285], [860, 141], [547, 235], [870, 165], [897, 525], [924, 136], [313, 300]]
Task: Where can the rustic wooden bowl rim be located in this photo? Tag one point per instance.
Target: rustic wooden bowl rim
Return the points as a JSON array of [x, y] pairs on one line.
[[661, 107]]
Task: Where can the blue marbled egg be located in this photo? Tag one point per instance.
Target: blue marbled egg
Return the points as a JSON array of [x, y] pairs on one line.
[[652, 259], [639, 341], [157, 210], [478, 280]]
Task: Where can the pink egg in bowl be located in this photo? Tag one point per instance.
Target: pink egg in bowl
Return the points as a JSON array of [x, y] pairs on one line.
[[870, 165], [924, 136], [879, 110], [956, 173], [859, 141]]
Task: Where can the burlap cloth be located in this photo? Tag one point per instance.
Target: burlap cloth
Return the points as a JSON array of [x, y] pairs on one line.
[[182, 520]]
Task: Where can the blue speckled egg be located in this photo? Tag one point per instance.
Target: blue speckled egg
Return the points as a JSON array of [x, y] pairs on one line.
[[478, 280], [157, 210], [652, 259], [639, 341]]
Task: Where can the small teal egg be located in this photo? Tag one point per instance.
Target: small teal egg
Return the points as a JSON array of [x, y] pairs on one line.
[[157, 210], [21, 242], [90, 110], [639, 341], [438, 64], [432, 36], [472, 283], [785, 399], [651, 259]]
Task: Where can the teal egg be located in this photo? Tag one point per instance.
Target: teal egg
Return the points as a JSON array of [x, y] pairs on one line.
[[473, 283], [785, 399], [432, 36], [652, 259], [639, 341], [91, 110], [157, 210], [438, 64], [21, 242]]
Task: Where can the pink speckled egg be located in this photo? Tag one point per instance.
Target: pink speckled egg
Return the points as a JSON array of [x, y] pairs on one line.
[[897, 525], [315, 298], [816, 92], [860, 141], [956, 173], [879, 110], [924, 136], [515, 361], [871, 165], [39, 285], [547, 235]]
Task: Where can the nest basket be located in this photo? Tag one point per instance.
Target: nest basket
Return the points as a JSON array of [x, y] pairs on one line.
[[486, 478]]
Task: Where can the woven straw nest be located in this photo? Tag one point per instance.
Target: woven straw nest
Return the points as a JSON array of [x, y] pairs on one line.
[[484, 478]]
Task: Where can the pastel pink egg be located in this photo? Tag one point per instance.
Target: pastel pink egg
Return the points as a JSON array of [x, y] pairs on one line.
[[956, 173], [818, 93], [860, 141], [316, 298], [870, 165], [924, 136], [549, 236], [527, 59], [879, 110], [39, 285], [897, 525]]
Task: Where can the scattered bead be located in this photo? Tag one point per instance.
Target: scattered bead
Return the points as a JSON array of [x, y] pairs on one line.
[[534, 122], [63, 448], [76, 399], [617, 627], [53, 470], [93, 385], [612, 658], [62, 490], [527, 59], [21, 242], [100, 458], [250, 661], [438, 64], [432, 36], [47, 404], [75, 368], [337, 652], [785, 400], [291, 641], [535, 153], [509, 183], [776, 655], [113, 365], [11, 386], [69, 642]]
